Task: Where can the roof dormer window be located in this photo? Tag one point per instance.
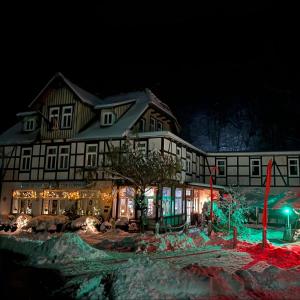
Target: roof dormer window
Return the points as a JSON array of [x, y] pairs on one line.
[[29, 124], [54, 118], [66, 118], [107, 118]]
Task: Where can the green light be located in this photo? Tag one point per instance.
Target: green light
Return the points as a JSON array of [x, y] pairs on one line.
[[287, 210]]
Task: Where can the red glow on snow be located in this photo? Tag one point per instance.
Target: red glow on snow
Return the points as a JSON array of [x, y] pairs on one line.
[[282, 257]]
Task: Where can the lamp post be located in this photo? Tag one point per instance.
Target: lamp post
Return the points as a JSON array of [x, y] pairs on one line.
[[287, 211], [287, 235]]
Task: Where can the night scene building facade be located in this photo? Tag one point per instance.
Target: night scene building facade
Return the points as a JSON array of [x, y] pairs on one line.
[[50, 159]]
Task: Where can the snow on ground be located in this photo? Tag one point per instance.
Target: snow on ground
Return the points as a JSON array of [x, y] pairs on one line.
[[170, 266], [63, 249], [67, 248]]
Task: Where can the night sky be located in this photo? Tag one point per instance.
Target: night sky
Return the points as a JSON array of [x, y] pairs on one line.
[[216, 57]]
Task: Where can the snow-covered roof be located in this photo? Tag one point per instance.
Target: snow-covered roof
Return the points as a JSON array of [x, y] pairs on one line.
[[83, 95], [120, 128], [170, 135], [26, 113], [140, 100], [205, 185], [16, 135]]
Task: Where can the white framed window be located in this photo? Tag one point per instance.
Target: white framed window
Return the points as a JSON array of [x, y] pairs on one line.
[[141, 125], [188, 163], [293, 167], [255, 167], [63, 157], [54, 117], [91, 155], [159, 126], [141, 146], [66, 117], [221, 167], [152, 124], [51, 158], [29, 124], [178, 201], [178, 152], [108, 118], [25, 159]]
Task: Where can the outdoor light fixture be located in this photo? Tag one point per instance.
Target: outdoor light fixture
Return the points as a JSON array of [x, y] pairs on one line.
[[287, 235], [287, 211]]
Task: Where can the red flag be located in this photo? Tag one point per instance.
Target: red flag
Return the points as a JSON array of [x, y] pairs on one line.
[[268, 183]]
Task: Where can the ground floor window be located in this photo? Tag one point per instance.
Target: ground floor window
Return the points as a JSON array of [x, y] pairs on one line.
[[178, 201], [22, 201], [150, 197], [166, 201], [126, 202]]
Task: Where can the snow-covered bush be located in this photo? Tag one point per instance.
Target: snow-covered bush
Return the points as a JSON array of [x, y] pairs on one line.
[[132, 227], [105, 226], [86, 223], [45, 222], [21, 221]]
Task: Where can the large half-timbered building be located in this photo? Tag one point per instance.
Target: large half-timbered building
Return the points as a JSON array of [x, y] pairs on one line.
[[50, 157]]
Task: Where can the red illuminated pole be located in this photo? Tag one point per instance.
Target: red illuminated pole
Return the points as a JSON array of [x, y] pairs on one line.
[[265, 211], [211, 193], [211, 198]]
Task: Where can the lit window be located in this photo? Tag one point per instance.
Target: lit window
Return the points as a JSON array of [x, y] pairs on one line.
[[54, 117], [152, 124], [166, 201], [63, 157], [29, 124], [255, 167], [25, 159], [221, 167], [107, 118], [51, 158], [178, 201], [66, 119], [91, 156], [293, 167]]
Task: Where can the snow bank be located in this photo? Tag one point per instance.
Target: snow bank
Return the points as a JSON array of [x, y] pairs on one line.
[[20, 245], [44, 222], [143, 278], [83, 288], [170, 242], [66, 248]]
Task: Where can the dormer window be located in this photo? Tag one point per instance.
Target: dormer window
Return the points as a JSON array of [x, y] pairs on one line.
[[54, 118], [107, 118], [159, 126], [29, 124], [66, 118], [141, 125], [152, 124]]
